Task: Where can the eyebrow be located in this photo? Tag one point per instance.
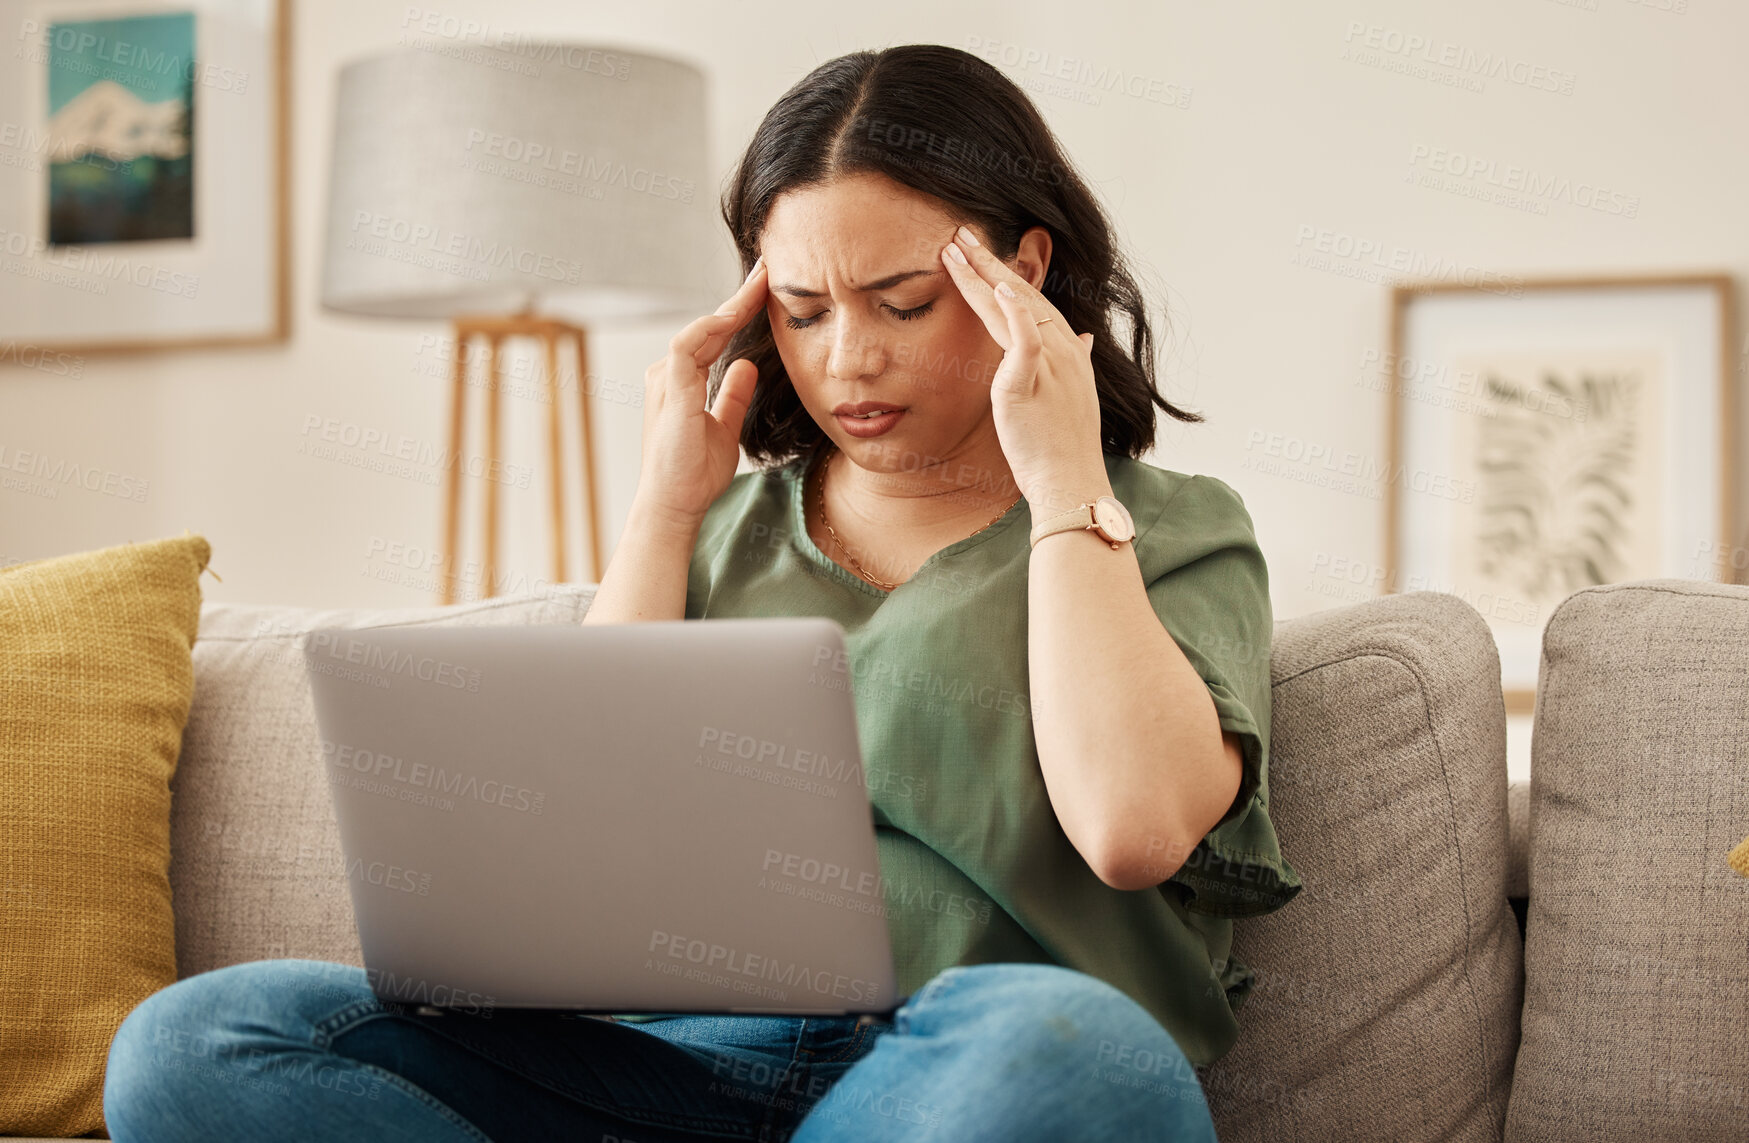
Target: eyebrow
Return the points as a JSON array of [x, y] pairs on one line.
[[885, 283]]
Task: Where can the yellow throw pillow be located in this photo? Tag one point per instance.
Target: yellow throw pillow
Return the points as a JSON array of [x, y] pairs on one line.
[[96, 678]]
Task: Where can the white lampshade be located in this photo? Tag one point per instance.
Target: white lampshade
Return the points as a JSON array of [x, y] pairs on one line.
[[489, 179]]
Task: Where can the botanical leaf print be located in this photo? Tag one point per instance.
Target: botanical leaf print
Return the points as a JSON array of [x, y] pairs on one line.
[[1554, 497]]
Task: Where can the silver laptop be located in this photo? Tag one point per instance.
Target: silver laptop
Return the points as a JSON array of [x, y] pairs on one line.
[[662, 817]]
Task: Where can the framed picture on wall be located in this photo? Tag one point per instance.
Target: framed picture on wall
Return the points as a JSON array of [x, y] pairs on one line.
[[143, 174], [1575, 432]]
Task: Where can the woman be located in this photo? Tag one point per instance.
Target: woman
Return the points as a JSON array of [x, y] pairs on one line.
[[1059, 655]]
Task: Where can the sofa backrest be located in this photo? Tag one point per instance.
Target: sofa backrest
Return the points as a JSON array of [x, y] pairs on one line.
[[1636, 1006], [1387, 993]]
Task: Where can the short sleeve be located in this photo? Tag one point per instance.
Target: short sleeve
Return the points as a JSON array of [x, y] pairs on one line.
[[1213, 598]]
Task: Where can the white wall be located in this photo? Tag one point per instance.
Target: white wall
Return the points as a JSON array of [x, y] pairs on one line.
[[1280, 132]]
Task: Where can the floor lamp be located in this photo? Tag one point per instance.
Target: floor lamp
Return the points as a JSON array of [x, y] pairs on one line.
[[529, 191]]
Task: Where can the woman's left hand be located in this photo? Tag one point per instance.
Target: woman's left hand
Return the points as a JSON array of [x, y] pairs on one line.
[[1042, 395]]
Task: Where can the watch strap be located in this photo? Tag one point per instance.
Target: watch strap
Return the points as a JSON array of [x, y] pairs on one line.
[[1080, 516]]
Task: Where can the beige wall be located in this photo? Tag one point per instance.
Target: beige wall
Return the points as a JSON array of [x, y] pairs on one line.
[[1249, 126]]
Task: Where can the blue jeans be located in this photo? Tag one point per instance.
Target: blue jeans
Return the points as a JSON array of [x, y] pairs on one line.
[[302, 1049]]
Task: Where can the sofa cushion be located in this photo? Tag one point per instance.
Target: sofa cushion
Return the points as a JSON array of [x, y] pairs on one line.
[[1636, 1008], [95, 685], [1518, 843], [255, 853], [1386, 997]]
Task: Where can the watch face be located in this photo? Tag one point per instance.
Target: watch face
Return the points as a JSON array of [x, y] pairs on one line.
[[1113, 518]]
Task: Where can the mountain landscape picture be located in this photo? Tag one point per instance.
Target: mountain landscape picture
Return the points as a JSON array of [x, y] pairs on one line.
[[121, 129]]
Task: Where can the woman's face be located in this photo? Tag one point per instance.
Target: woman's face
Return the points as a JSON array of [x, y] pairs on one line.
[[863, 310]]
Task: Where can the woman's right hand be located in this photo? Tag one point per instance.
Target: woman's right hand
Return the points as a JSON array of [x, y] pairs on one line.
[[690, 452]]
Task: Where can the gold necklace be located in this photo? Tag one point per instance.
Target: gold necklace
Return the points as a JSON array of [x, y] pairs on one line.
[[820, 503]]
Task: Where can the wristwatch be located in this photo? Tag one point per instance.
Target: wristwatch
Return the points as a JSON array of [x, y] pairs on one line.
[[1106, 517]]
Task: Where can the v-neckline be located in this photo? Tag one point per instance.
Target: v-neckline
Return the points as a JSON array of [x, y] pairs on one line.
[[795, 472]]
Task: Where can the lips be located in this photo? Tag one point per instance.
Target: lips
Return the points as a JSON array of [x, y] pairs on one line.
[[865, 408], [879, 422]]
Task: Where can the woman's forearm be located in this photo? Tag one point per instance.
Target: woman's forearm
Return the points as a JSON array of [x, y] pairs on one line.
[[1129, 742], [646, 579]]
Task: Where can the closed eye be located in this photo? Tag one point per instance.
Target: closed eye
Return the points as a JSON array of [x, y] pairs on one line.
[[902, 315]]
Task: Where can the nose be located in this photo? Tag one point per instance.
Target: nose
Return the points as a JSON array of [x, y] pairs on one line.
[[857, 352]]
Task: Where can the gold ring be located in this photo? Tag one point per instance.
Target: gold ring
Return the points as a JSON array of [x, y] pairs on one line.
[[1041, 321]]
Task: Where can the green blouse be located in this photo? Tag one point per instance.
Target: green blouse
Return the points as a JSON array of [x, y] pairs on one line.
[[976, 866]]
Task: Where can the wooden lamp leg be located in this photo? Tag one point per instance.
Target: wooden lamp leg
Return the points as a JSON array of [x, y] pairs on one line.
[[589, 483], [555, 450], [458, 408], [491, 485]]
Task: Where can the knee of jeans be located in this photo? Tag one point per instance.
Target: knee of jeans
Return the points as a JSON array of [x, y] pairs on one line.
[[179, 1037], [1057, 1017], [200, 1021]]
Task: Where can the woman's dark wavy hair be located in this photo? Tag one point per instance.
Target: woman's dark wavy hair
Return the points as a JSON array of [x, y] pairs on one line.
[[944, 122]]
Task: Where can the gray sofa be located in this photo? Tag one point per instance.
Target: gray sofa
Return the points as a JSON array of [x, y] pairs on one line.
[[1395, 998]]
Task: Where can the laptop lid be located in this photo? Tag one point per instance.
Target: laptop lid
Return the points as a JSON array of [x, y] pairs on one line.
[[652, 817]]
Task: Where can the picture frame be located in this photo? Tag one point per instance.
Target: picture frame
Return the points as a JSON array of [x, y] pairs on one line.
[[1561, 433], [144, 176]]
